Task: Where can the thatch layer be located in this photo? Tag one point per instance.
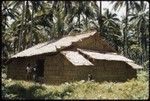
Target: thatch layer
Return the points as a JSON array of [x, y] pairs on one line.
[[109, 57], [133, 65], [48, 47], [76, 59], [104, 56]]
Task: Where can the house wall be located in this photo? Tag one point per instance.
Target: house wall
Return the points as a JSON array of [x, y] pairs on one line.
[[59, 70], [113, 71], [53, 69], [17, 68]]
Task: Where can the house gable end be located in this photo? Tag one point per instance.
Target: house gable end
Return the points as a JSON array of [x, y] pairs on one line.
[[95, 42]]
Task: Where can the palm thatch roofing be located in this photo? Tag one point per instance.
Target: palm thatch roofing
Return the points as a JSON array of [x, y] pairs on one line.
[[109, 57], [76, 59], [133, 65], [49, 47], [104, 56]]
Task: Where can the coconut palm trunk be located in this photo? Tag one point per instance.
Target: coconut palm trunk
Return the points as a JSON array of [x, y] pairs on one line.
[[143, 40], [86, 21], [126, 31], [66, 11], [31, 28], [100, 14], [79, 13], [21, 31]]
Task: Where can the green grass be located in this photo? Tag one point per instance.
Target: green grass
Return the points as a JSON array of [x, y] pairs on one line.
[[132, 89]]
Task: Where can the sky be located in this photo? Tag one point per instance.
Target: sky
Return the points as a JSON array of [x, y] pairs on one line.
[[121, 12], [109, 5]]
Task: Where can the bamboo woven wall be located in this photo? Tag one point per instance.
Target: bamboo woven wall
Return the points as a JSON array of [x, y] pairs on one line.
[[113, 71], [17, 69], [57, 69]]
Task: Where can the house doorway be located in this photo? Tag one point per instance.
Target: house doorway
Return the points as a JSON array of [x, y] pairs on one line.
[[40, 67]]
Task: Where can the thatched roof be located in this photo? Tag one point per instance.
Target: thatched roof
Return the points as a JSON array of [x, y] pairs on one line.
[[35, 50], [76, 59], [104, 56], [48, 47], [109, 57], [133, 65]]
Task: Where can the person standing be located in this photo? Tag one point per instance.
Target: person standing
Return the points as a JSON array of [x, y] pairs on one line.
[[89, 77], [34, 73], [28, 72]]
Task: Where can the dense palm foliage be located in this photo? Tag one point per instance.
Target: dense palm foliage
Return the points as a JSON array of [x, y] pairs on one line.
[[135, 28], [39, 21]]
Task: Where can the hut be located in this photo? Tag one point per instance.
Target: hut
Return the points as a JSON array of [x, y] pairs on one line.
[[74, 58]]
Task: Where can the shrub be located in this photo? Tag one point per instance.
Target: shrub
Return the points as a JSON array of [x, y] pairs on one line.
[[132, 89], [143, 76]]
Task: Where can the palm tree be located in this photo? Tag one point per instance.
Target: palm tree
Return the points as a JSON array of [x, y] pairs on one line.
[[87, 14], [32, 21], [97, 21], [22, 22], [79, 11], [117, 5], [23, 25], [100, 15], [111, 28], [130, 6], [7, 36], [110, 19], [35, 6], [140, 23], [56, 20]]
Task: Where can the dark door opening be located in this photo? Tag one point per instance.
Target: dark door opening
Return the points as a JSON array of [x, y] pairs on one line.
[[40, 67]]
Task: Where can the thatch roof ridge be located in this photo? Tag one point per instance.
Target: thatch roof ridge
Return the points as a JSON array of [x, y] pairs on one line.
[[29, 50], [48, 47]]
